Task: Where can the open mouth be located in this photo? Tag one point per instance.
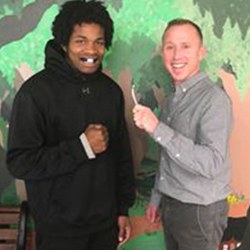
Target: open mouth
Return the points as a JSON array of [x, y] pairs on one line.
[[178, 65], [89, 59]]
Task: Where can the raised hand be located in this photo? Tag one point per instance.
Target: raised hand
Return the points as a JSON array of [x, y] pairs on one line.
[[98, 137], [144, 118]]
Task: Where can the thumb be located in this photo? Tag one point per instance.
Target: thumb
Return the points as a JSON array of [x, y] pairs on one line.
[[152, 217]]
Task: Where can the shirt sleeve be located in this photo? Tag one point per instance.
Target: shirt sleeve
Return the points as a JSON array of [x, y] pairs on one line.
[[204, 155], [29, 156], [155, 197]]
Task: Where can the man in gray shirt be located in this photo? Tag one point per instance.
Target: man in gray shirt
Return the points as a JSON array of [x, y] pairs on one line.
[[193, 132]]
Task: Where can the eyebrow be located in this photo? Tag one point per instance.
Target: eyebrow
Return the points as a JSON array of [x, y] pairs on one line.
[[84, 37]]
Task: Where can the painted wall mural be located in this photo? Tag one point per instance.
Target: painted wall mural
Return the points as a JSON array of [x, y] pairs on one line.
[[134, 59]]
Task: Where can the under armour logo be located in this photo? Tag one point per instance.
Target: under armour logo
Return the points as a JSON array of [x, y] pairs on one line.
[[85, 91]]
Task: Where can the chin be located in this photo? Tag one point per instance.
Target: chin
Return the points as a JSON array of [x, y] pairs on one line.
[[179, 78], [89, 71]]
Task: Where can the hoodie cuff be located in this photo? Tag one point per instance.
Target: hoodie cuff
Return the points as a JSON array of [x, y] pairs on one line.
[[88, 149], [163, 134]]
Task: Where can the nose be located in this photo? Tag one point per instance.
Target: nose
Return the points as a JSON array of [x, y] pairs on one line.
[[177, 53], [90, 47]]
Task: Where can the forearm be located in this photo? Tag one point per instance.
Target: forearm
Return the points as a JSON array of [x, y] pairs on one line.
[[46, 161], [202, 159]]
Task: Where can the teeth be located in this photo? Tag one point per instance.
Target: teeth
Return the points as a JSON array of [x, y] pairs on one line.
[[89, 60], [178, 65]]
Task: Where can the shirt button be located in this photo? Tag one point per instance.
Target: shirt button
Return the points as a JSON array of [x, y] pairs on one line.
[[158, 139], [161, 178], [169, 119], [184, 90], [177, 155]]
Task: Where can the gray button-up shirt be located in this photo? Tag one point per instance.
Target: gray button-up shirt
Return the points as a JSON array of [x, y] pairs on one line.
[[193, 133]]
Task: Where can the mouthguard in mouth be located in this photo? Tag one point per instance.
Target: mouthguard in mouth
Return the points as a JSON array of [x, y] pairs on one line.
[[89, 60]]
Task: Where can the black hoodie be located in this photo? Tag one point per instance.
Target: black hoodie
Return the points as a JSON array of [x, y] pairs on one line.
[[67, 192]]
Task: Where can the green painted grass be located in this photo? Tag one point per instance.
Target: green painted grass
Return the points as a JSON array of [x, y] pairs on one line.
[[150, 241]]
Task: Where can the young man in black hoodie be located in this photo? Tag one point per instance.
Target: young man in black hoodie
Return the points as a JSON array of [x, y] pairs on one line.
[[68, 138]]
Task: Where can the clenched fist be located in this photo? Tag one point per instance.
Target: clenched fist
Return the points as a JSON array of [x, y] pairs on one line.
[[98, 137], [145, 118]]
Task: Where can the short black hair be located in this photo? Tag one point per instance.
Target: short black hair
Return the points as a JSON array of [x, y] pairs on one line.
[[78, 12], [182, 21]]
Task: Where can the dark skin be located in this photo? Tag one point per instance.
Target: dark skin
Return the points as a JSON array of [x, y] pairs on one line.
[[97, 136]]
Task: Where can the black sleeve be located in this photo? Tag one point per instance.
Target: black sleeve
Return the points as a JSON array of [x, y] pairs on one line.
[[126, 182], [29, 157]]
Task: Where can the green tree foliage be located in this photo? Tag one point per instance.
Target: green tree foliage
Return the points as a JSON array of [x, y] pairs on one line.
[[116, 4], [30, 49], [235, 11], [10, 7]]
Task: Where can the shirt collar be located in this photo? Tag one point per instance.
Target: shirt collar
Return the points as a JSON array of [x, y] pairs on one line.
[[189, 83]]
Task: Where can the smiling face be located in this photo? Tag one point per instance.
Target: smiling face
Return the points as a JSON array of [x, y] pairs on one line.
[[182, 51], [86, 47]]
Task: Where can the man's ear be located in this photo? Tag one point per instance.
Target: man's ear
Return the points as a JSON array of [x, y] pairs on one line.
[[203, 52], [161, 50]]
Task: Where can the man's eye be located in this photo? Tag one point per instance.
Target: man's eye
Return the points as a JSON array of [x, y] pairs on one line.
[[80, 41], [169, 47], [100, 43]]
